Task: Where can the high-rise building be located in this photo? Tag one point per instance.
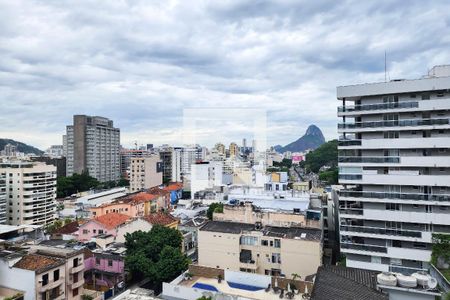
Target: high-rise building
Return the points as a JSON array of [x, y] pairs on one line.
[[93, 145], [394, 164], [55, 150], [166, 159], [145, 173], [9, 150], [30, 192], [125, 159], [3, 198], [234, 150]]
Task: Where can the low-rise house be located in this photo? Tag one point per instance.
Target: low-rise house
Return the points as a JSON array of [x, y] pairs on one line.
[[189, 229], [134, 205], [162, 200], [35, 276], [176, 191], [105, 224], [67, 232], [255, 248], [105, 268], [163, 219]]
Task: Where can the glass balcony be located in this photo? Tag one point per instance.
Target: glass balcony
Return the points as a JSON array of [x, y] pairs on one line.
[[368, 159], [351, 211], [349, 143], [384, 231], [394, 123], [363, 247], [378, 106], [383, 195], [350, 176]]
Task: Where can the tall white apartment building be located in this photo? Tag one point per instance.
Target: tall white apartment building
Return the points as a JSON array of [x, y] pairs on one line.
[[30, 192], [2, 198], [182, 160], [93, 145], [145, 173], [206, 175], [394, 164]]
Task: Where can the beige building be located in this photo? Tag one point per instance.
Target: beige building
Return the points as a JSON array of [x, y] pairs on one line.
[[234, 150], [145, 172], [260, 249], [30, 192], [251, 215]]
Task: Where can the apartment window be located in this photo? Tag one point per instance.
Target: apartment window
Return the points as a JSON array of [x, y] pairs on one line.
[[264, 243], [419, 245], [271, 243], [412, 95], [75, 262], [110, 263], [425, 96], [396, 261], [249, 240], [97, 261], [75, 292], [375, 259], [440, 94], [44, 279], [94, 230], [100, 231], [277, 243], [276, 258], [56, 275], [392, 206]]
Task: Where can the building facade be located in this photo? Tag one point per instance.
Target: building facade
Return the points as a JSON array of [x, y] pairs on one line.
[[255, 248], [394, 164], [30, 192], [125, 159], [93, 146], [145, 173], [3, 215]]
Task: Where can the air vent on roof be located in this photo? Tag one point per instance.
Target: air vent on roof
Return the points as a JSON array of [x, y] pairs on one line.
[[303, 235]]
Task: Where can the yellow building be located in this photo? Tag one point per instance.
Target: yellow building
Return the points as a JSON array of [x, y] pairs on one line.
[[234, 150], [260, 249]]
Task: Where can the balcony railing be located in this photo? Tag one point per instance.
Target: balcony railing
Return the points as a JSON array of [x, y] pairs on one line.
[[394, 123], [378, 106], [363, 247], [384, 231], [351, 211], [369, 159], [349, 142], [350, 176], [384, 195]]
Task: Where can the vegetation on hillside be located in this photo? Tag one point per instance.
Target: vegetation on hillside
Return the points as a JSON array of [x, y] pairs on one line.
[[325, 155], [21, 147], [155, 254]]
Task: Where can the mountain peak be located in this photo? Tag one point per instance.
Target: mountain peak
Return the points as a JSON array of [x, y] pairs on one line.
[[312, 139]]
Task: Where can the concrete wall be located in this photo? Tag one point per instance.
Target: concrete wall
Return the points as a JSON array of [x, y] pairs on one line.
[[9, 278], [135, 225]]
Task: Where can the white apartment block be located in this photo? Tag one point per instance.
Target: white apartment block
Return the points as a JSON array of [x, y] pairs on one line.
[[30, 192], [93, 145], [145, 173], [3, 217], [394, 164], [206, 175]]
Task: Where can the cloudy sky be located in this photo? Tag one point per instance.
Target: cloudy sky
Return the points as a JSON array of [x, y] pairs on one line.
[[144, 63]]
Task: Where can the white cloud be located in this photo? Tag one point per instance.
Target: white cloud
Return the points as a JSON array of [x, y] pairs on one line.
[[141, 63]]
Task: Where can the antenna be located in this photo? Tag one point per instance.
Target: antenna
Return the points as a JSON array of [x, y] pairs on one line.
[[385, 69]]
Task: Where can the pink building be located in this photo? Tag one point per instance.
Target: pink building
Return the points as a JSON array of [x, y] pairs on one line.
[[106, 224], [105, 268]]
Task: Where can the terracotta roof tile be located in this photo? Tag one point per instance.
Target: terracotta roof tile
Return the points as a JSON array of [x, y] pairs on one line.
[[38, 263], [68, 228], [174, 186], [112, 220], [157, 191], [160, 218]]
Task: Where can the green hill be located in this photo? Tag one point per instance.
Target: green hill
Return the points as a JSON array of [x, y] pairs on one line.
[[325, 155], [21, 147]]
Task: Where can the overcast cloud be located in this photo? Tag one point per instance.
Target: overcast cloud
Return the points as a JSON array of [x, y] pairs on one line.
[[141, 63]]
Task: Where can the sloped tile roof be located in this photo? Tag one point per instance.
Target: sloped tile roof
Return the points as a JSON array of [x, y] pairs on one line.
[[112, 220], [160, 218], [173, 186], [68, 228], [38, 263]]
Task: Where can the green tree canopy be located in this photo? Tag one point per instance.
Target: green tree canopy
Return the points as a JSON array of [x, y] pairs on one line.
[[325, 155], [214, 207], [155, 254]]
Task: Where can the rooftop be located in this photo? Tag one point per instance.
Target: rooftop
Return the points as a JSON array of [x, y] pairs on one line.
[[303, 233], [336, 282], [112, 220], [68, 228], [38, 263], [173, 186], [160, 218]]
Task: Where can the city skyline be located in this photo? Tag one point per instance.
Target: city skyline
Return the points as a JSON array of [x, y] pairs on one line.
[[141, 65]]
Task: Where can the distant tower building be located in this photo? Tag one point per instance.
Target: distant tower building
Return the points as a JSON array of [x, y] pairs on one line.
[[9, 150], [165, 156], [220, 148], [254, 146], [145, 173], [93, 145], [64, 138], [234, 150], [2, 198], [244, 143]]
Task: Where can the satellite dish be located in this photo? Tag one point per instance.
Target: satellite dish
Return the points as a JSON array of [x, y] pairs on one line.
[[432, 283]]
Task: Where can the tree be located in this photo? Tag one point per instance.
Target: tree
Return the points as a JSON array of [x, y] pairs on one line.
[[155, 254], [66, 186], [325, 155], [329, 176], [123, 182], [214, 207]]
